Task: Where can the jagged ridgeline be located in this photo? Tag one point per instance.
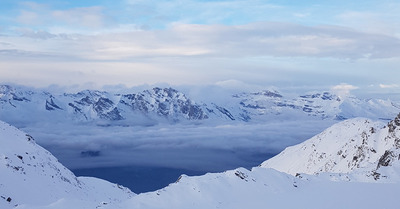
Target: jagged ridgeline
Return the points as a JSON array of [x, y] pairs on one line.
[[91, 105], [24, 105], [366, 148]]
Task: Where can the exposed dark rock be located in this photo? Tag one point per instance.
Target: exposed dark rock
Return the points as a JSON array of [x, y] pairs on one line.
[[225, 112], [268, 94], [112, 115], [241, 175], [51, 105], [251, 106], [394, 124], [102, 105], [385, 159], [166, 102], [76, 109], [307, 109], [29, 137], [90, 153]]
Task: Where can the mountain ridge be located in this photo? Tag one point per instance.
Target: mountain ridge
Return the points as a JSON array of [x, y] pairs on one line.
[[355, 144], [168, 105]]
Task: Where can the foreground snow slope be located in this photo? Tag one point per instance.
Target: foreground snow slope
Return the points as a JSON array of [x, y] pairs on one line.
[[353, 145], [267, 189], [30, 176]]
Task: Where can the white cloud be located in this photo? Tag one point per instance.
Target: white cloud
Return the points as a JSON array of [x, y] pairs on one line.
[[28, 17], [234, 84], [388, 86], [34, 15], [261, 53], [182, 40], [301, 15], [92, 17], [380, 20], [343, 89]]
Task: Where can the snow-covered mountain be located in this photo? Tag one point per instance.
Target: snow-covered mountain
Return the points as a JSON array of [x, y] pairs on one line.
[[21, 106], [323, 105], [372, 149], [356, 148], [32, 177]]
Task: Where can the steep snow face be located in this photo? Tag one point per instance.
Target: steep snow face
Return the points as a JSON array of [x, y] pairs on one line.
[[359, 144], [30, 175]]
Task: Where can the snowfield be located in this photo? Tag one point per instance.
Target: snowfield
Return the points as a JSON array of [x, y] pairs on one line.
[[353, 164]]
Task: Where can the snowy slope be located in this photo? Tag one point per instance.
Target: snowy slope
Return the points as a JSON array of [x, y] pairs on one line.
[[30, 175], [266, 189], [353, 145]]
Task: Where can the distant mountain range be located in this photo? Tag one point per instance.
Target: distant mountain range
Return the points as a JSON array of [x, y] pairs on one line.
[[167, 105]]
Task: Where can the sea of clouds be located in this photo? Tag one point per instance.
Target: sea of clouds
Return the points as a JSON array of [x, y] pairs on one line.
[[194, 147]]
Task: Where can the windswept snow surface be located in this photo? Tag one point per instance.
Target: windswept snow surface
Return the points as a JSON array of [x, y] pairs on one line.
[[267, 189]]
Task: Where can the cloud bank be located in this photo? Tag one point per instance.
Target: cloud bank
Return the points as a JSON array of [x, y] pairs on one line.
[[204, 148], [274, 39], [190, 41]]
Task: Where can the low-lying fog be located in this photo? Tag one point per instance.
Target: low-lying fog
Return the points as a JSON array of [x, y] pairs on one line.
[[175, 149]]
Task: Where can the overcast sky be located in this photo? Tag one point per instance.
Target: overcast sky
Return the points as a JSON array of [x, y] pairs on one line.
[[91, 43]]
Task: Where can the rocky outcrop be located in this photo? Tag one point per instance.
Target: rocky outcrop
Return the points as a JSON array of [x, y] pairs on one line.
[[356, 145]]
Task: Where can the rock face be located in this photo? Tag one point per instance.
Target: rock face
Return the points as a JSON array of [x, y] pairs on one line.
[[166, 102], [359, 144], [31, 175]]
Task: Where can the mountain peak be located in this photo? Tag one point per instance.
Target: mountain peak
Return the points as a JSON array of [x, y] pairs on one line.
[[353, 146]]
